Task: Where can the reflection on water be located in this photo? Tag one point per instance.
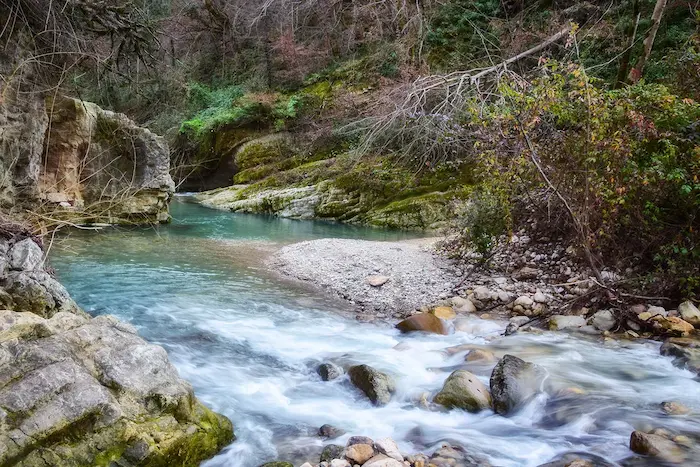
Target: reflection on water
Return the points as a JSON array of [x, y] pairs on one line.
[[249, 344]]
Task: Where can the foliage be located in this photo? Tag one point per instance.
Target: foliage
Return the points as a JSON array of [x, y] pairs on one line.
[[459, 33], [480, 221], [627, 163]]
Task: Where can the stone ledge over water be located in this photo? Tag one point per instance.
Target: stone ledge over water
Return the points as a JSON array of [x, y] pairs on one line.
[[80, 391]]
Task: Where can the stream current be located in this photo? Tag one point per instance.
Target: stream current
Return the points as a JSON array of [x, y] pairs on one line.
[[249, 342]]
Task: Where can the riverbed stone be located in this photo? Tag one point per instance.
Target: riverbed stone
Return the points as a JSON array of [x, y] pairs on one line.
[[382, 460], [329, 371], [674, 408], [388, 447], [330, 431], [514, 382], [377, 280], [359, 453], [97, 380], [331, 451], [674, 325], [277, 464], [463, 305], [690, 313], [656, 446], [425, 322], [444, 312], [563, 322], [685, 352], [463, 390], [523, 301], [480, 355], [377, 386], [603, 320]]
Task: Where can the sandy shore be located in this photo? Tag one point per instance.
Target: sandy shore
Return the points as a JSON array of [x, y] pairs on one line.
[[414, 274]]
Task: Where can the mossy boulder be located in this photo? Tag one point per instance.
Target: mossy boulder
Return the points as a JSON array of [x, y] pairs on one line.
[[78, 391], [463, 390]]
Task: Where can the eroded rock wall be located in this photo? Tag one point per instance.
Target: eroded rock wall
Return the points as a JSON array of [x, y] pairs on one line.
[[103, 163], [74, 160]]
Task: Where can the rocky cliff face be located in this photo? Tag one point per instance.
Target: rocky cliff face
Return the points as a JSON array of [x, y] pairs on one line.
[[78, 391], [74, 160]]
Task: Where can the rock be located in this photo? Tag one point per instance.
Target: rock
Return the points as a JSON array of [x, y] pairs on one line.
[[359, 440], [444, 312], [482, 293], [425, 322], [656, 446], [603, 320], [277, 464], [377, 386], [524, 301], [359, 453], [579, 459], [329, 371], [480, 355], [686, 352], [36, 291], [330, 432], [75, 388], [514, 382], [539, 297], [340, 463], [382, 460], [388, 447], [463, 305], [674, 408], [674, 325], [526, 273], [690, 313], [331, 451], [455, 456], [98, 158], [657, 310], [465, 391], [637, 309], [26, 255], [562, 322], [306, 464], [377, 281]]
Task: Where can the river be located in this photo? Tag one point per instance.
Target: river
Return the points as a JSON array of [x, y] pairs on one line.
[[249, 343]]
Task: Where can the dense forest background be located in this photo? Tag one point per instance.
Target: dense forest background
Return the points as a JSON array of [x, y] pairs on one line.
[[577, 119]]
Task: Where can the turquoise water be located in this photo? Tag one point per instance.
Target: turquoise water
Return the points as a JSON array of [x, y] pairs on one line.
[[249, 343]]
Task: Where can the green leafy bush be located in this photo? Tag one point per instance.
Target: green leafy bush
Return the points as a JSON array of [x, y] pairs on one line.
[[626, 161]]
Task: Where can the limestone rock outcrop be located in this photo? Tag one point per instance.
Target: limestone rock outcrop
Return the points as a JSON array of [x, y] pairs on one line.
[[80, 391], [79, 162]]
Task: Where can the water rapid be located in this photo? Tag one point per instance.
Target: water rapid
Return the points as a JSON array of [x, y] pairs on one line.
[[249, 343]]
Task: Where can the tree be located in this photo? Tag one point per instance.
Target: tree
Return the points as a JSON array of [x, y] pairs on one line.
[[659, 9]]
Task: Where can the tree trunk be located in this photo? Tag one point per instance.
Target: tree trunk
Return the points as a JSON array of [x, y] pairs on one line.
[[649, 40], [625, 60]]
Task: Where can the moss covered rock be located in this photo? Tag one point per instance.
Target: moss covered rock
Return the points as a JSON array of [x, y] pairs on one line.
[[77, 391]]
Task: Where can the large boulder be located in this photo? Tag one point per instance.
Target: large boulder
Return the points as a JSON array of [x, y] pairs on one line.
[[514, 382], [463, 390], [674, 325], [81, 391], [425, 322], [690, 313], [377, 386]]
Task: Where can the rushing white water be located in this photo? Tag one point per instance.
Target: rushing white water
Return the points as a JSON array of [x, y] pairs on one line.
[[250, 343]]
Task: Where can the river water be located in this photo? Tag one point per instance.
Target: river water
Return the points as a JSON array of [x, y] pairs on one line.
[[249, 342]]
